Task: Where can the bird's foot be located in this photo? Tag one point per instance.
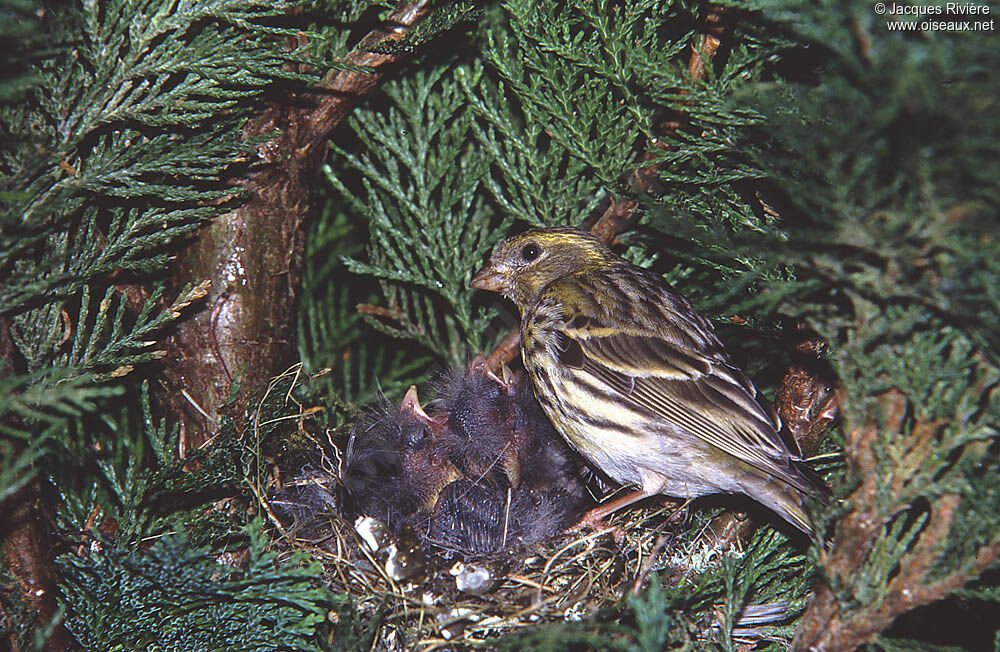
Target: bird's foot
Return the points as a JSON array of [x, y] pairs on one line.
[[597, 526], [594, 519]]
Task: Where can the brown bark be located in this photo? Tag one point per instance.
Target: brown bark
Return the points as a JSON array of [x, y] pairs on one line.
[[227, 353], [27, 557], [829, 627], [25, 544]]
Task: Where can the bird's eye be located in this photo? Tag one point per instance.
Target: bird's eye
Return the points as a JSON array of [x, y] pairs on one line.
[[530, 251], [414, 438]]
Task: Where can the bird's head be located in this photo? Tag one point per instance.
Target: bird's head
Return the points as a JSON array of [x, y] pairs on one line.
[[522, 265]]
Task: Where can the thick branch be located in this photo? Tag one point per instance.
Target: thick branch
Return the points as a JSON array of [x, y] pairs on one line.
[[25, 544], [27, 557], [826, 626], [253, 254]]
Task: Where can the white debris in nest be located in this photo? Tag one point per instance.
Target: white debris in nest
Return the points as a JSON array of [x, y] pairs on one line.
[[371, 531], [491, 621], [452, 631], [474, 579], [699, 559], [575, 613], [457, 614], [392, 562], [402, 564]]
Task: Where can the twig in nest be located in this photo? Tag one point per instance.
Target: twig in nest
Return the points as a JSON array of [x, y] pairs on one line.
[[647, 565]]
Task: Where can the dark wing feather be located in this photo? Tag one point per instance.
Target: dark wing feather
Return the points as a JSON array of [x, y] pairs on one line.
[[706, 397]]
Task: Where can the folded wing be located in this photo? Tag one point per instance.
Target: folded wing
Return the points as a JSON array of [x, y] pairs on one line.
[[706, 397]]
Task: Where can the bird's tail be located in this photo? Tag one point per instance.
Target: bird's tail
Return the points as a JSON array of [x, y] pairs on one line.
[[792, 503]]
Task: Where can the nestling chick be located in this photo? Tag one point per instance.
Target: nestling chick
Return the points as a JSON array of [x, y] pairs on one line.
[[637, 381], [477, 519], [484, 470], [483, 434], [303, 504], [470, 518], [395, 466], [495, 425], [521, 483]]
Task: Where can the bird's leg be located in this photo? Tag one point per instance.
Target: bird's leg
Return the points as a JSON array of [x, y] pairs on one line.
[[652, 484], [593, 518]]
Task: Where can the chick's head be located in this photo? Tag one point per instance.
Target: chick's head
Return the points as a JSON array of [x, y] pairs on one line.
[[394, 465], [478, 438]]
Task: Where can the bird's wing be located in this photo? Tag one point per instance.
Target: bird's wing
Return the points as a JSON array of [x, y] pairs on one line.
[[705, 397]]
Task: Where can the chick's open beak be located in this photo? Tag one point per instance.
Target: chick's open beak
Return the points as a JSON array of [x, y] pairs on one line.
[[411, 405], [488, 278]]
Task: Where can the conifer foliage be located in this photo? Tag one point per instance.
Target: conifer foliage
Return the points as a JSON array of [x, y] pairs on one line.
[[790, 166], [120, 124]]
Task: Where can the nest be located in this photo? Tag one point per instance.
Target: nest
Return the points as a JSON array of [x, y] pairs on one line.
[[428, 598], [426, 594]]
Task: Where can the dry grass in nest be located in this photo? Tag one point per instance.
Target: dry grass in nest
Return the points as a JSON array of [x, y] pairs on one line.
[[564, 579]]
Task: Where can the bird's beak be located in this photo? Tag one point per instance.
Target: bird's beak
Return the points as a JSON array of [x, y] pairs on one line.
[[411, 404], [488, 278]]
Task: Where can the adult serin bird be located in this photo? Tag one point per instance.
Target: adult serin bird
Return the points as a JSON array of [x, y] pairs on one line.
[[637, 381]]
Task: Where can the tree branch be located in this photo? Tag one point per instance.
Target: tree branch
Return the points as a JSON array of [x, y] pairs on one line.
[[25, 541], [252, 255], [27, 556], [826, 626]]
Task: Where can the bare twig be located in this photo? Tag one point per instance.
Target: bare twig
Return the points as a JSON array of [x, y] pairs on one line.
[[647, 565]]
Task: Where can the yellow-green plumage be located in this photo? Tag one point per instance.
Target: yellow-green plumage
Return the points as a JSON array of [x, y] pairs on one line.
[[636, 380]]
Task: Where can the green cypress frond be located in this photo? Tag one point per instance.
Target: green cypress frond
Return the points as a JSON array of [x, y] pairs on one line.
[[429, 226], [331, 330], [107, 344], [540, 181], [103, 139], [173, 596]]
